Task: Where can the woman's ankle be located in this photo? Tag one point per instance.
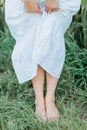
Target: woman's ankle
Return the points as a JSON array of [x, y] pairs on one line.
[[49, 99], [39, 101]]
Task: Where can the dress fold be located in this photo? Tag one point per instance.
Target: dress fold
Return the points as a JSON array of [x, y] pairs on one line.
[[39, 38]]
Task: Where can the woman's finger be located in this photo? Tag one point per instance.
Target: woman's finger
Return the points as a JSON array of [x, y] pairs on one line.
[[51, 5], [46, 9], [50, 10], [39, 9], [54, 9]]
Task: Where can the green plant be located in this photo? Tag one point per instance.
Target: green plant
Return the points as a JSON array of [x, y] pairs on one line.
[[78, 28], [84, 25], [17, 101]]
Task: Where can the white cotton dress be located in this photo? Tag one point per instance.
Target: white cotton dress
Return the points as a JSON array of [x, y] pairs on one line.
[[39, 38]]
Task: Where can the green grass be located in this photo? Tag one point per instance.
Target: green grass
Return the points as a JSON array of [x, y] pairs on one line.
[[17, 101], [18, 115], [84, 2]]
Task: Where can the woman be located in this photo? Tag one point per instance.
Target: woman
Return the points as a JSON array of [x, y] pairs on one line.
[[38, 28]]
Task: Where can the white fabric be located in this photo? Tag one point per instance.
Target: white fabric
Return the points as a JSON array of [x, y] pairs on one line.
[[39, 38]]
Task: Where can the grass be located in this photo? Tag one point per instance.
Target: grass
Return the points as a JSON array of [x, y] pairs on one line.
[[18, 115], [84, 2], [17, 101]]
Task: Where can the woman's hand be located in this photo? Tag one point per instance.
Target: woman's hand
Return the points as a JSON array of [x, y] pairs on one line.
[[32, 6], [51, 5]]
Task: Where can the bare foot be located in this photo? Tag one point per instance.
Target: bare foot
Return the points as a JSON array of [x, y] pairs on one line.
[[40, 111], [52, 111]]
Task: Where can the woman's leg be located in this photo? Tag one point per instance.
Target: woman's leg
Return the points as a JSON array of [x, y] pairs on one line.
[[38, 85], [51, 109]]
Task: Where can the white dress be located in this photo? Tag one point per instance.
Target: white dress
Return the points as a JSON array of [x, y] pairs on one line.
[[39, 38]]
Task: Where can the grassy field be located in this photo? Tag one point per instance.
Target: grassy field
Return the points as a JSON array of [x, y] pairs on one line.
[[17, 101], [84, 2]]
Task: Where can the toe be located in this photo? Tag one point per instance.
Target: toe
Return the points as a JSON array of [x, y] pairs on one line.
[[40, 116], [56, 118]]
